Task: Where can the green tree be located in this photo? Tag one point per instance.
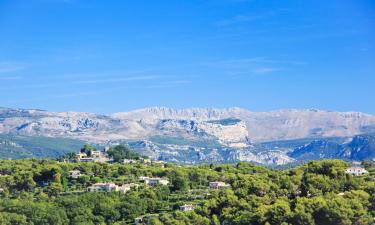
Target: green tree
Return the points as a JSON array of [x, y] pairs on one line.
[[121, 152]]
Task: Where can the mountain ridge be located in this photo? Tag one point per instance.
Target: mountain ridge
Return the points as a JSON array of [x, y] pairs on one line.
[[195, 134], [281, 124]]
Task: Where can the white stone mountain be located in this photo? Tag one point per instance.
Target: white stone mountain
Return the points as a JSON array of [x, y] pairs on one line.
[[243, 125], [179, 129]]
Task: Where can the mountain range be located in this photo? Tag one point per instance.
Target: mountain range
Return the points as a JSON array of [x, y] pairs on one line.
[[203, 134]]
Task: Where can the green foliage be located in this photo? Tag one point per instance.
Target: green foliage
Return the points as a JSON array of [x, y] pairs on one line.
[[87, 148], [318, 193], [19, 147], [121, 152]]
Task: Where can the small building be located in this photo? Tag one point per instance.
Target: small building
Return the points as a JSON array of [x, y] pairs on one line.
[[1, 190], [356, 171], [75, 174], [102, 187], [143, 178], [138, 220], [156, 180], [187, 207], [218, 184], [130, 161], [96, 156], [144, 219], [126, 187], [110, 187], [147, 161]]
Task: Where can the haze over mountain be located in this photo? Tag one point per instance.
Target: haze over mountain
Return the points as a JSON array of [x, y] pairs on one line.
[[196, 134], [227, 125]]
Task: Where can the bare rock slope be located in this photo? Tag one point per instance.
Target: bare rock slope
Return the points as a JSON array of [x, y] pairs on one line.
[[196, 133], [230, 126]]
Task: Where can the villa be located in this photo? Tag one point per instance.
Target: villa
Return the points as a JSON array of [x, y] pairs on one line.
[[356, 171], [110, 187], [102, 187], [155, 181], [96, 156], [218, 184]]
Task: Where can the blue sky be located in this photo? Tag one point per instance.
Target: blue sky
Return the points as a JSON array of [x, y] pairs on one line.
[[108, 56]]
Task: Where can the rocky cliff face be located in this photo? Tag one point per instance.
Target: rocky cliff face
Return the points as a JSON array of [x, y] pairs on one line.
[[359, 147], [256, 126], [196, 129]]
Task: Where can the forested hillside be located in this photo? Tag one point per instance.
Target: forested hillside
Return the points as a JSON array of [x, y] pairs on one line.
[[320, 192]]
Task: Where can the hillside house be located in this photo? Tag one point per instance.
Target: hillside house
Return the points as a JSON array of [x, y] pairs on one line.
[[130, 161], [218, 185], [102, 187], [155, 181], [110, 187], [75, 174], [126, 187], [143, 178], [356, 171], [187, 207]]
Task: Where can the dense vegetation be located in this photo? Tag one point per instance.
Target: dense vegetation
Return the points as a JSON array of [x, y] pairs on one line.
[[320, 192], [18, 146]]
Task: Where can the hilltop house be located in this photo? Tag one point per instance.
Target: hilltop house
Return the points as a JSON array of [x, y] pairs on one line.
[[356, 170], [218, 184], [96, 156]]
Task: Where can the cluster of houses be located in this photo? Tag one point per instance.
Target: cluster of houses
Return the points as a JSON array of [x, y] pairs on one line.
[[102, 156], [96, 156]]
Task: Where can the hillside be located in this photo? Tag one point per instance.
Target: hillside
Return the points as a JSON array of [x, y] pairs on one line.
[[17, 147], [53, 193]]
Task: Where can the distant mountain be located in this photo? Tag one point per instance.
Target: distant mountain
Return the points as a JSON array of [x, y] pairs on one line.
[[18, 147], [360, 147], [197, 134]]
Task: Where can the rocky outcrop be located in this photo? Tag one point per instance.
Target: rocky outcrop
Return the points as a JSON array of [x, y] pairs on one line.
[[201, 134]]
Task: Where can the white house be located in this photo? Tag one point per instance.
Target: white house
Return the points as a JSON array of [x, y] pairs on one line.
[[218, 184], [103, 187], [96, 156], [75, 174], [110, 187], [155, 181], [143, 178], [356, 171], [126, 187], [130, 161], [186, 207]]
